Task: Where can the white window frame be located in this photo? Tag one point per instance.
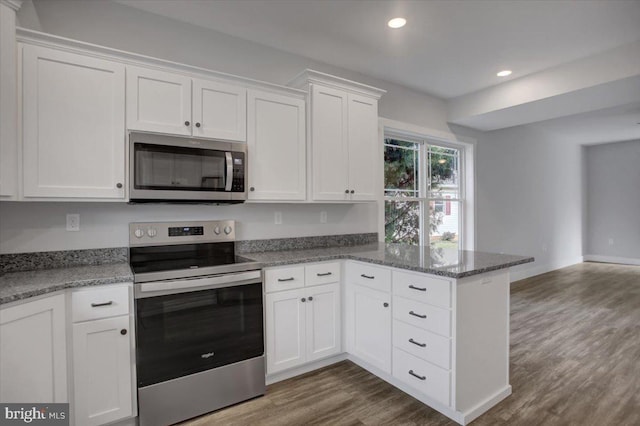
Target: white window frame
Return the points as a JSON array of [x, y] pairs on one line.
[[425, 136]]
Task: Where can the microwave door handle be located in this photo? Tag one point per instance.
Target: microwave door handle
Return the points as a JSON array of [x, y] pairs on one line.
[[229, 180]]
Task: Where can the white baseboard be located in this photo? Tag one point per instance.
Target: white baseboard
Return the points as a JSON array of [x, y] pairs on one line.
[[544, 268], [611, 259], [306, 368]]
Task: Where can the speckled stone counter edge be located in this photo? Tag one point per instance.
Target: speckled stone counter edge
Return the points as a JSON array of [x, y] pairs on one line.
[[61, 259], [304, 243]]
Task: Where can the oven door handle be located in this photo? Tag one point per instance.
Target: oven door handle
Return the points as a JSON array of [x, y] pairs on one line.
[[229, 180], [216, 281]]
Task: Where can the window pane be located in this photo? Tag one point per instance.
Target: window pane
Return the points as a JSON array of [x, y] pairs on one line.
[[444, 223], [444, 172], [402, 222], [401, 168]]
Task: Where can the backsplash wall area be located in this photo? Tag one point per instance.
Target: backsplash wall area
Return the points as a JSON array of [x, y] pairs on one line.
[[41, 226]]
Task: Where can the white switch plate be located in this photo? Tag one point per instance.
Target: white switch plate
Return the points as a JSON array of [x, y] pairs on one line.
[[278, 218], [323, 217], [73, 222]]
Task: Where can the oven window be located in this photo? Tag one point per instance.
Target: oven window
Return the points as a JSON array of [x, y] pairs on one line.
[[174, 168], [186, 333]]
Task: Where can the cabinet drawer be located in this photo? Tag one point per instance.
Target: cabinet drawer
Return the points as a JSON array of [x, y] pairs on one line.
[[103, 302], [279, 279], [422, 343], [423, 288], [428, 317], [425, 377], [322, 273], [371, 276]]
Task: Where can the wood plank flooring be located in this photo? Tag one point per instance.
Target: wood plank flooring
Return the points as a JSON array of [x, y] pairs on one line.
[[575, 360]]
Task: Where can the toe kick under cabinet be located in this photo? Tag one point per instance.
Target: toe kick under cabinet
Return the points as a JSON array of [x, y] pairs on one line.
[[443, 341]]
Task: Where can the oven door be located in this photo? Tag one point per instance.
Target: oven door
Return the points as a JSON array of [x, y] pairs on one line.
[[188, 332]]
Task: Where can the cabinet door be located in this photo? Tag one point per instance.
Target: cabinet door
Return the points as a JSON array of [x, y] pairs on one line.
[[285, 319], [33, 358], [363, 148], [276, 147], [323, 321], [158, 101], [219, 111], [329, 144], [8, 103], [102, 370], [73, 125], [369, 326]]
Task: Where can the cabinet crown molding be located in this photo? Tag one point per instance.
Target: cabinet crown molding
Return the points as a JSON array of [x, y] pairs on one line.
[[13, 4], [309, 76]]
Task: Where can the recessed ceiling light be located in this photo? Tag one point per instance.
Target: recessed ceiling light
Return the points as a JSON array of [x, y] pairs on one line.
[[397, 23], [504, 73]]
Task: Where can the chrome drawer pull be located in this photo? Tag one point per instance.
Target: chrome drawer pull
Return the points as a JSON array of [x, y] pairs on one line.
[[422, 345], [417, 315], [417, 376], [326, 274], [285, 279], [417, 288], [97, 305], [369, 277]]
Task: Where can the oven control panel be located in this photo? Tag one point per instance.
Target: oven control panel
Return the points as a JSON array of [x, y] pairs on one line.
[[163, 233]]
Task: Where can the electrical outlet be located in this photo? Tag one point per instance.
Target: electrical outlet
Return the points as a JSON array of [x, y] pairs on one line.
[[278, 218], [73, 222], [323, 217], [610, 241]]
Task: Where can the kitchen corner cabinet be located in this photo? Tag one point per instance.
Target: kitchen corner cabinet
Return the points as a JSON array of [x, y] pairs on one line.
[[276, 147], [165, 102], [73, 125], [102, 355], [368, 314], [343, 133], [33, 356], [303, 314]]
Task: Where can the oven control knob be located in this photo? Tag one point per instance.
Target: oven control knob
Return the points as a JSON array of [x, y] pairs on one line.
[[152, 232], [216, 230], [227, 230], [139, 233]]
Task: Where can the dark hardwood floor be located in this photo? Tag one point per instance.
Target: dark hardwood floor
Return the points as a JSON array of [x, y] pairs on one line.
[[575, 360]]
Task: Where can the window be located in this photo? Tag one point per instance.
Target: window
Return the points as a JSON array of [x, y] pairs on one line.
[[423, 195]]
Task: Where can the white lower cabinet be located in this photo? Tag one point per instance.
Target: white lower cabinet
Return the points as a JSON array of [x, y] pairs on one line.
[[33, 355], [369, 325], [103, 361], [302, 324]]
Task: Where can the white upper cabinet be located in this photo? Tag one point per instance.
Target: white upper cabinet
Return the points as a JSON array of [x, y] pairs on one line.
[[219, 111], [73, 125], [165, 102], [8, 104], [276, 147], [158, 101], [343, 136]]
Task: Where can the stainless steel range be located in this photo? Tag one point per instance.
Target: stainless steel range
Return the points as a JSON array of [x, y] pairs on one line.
[[199, 320]]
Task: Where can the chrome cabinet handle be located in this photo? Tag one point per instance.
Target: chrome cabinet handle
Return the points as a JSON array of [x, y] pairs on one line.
[[123, 331], [417, 376], [97, 305], [353, 192], [422, 345], [303, 300], [285, 279], [325, 274], [417, 288], [417, 315], [118, 185], [369, 277], [186, 123], [346, 191], [385, 304], [197, 124]]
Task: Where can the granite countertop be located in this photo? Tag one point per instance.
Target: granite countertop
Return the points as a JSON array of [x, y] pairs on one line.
[[22, 285], [447, 262]]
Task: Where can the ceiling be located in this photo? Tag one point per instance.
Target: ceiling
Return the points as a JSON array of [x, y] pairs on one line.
[[447, 49]]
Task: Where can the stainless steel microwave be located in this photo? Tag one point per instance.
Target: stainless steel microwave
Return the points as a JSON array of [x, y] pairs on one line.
[[185, 170]]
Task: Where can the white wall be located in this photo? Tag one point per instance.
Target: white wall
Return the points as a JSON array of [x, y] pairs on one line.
[[529, 197], [613, 202], [29, 227], [33, 226]]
